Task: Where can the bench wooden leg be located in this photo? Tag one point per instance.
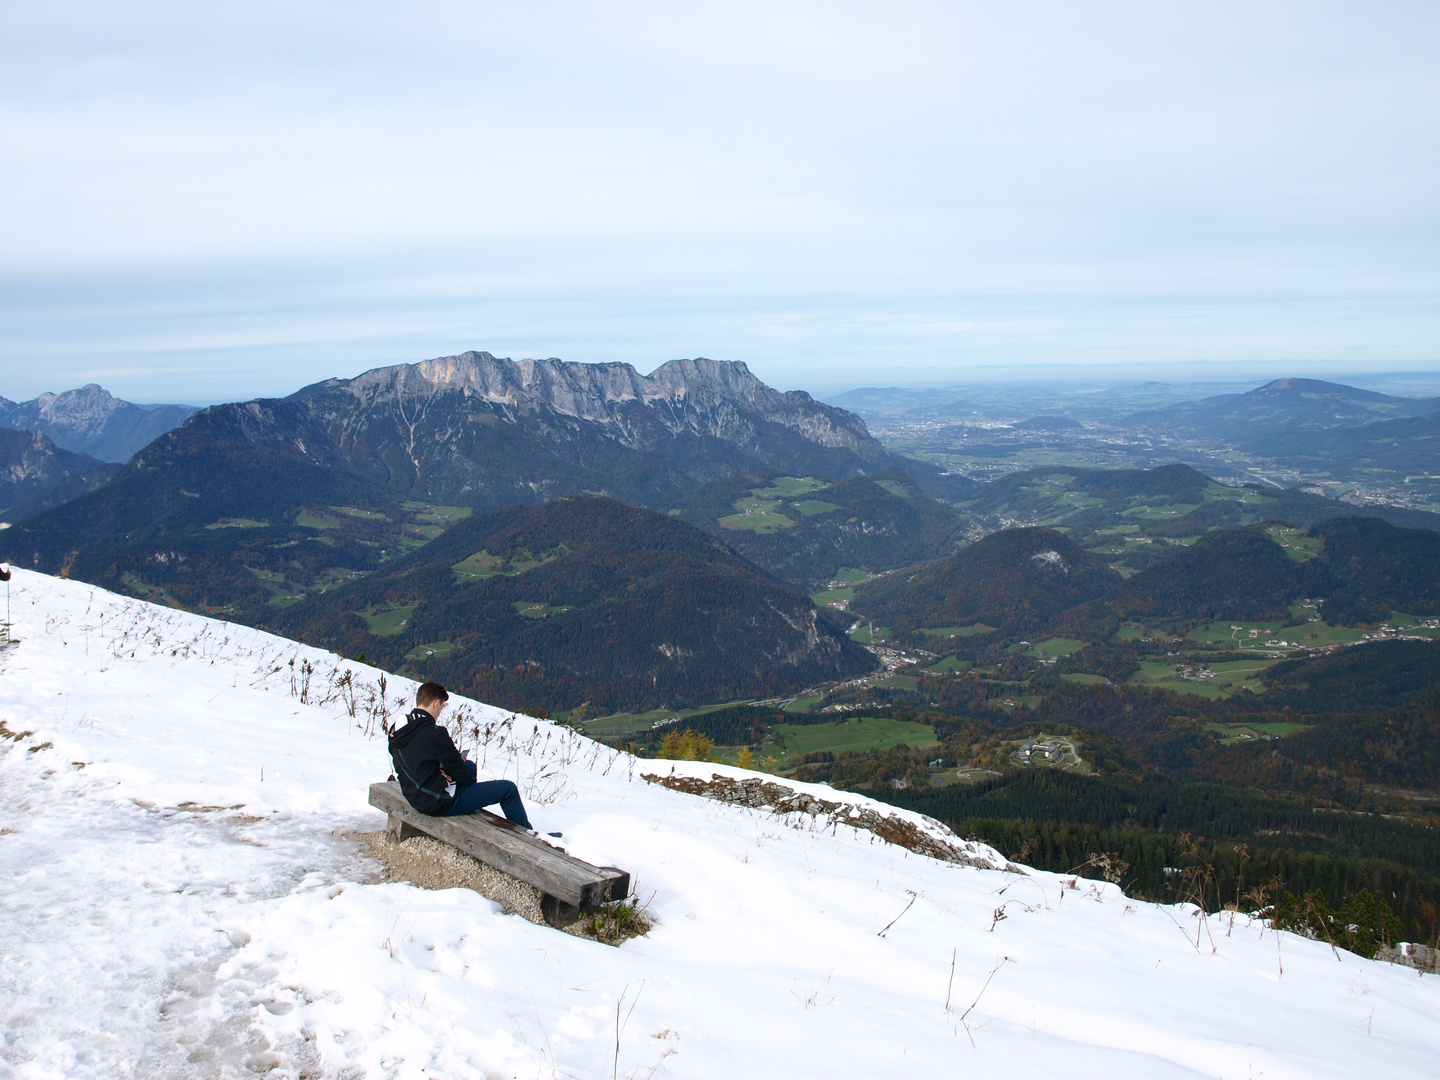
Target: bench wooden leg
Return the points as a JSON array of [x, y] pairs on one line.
[[397, 831], [618, 885], [557, 912]]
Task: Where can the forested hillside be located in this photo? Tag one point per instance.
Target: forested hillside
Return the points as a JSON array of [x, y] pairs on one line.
[[1202, 712], [1359, 570], [1388, 446], [583, 601], [1129, 517], [1373, 568], [1382, 674], [1241, 792], [213, 521], [805, 530], [1015, 580], [1228, 574]]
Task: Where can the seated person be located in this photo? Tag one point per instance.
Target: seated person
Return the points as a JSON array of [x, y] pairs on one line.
[[434, 778]]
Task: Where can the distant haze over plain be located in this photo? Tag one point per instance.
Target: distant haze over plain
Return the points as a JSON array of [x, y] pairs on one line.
[[215, 203]]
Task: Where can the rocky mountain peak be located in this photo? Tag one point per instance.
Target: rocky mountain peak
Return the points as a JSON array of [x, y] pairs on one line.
[[698, 397], [84, 409], [483, 430], [91, 420], [85, 401], [571, 388], [728, 377]]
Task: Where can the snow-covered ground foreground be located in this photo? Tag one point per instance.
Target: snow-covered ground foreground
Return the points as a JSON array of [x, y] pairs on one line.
[[179, 900]]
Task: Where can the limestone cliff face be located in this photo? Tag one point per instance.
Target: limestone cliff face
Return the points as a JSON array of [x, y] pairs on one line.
[[483, 431], [719, 399]]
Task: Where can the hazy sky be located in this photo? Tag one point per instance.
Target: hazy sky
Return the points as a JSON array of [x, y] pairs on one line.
[[207, 201]]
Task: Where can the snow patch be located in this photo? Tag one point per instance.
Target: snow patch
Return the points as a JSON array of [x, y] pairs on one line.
[[181, 901]]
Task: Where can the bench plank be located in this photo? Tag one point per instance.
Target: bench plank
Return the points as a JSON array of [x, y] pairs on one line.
[[497, 842]]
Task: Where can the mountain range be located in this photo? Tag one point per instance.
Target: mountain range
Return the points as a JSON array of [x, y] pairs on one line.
[[485, 432], [441, 520], [1373, 449], [478, 431], [1281, 406], [1322, 430], [324, 512], [272, 509], [90, 420], [370, 457]]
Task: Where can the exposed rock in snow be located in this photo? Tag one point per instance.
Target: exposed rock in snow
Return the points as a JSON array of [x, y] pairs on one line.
[[1051, 558], [924, 837]]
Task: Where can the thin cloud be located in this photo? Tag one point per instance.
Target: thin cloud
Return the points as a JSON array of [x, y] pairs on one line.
[[814, 188]]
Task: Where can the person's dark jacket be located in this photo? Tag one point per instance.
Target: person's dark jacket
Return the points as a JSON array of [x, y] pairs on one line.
[[419, 751]]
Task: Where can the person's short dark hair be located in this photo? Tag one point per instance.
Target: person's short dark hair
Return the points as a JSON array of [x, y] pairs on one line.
[[431, 692]]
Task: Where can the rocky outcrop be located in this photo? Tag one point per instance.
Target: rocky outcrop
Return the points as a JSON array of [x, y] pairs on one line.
[[930, 838]]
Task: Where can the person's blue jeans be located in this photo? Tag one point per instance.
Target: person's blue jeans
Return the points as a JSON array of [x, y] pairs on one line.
[[472, 797]]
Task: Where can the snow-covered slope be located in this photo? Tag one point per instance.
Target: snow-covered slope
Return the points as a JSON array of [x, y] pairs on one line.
[[180, 900]]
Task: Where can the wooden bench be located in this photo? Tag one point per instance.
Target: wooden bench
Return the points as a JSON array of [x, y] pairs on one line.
[[566, 884]]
